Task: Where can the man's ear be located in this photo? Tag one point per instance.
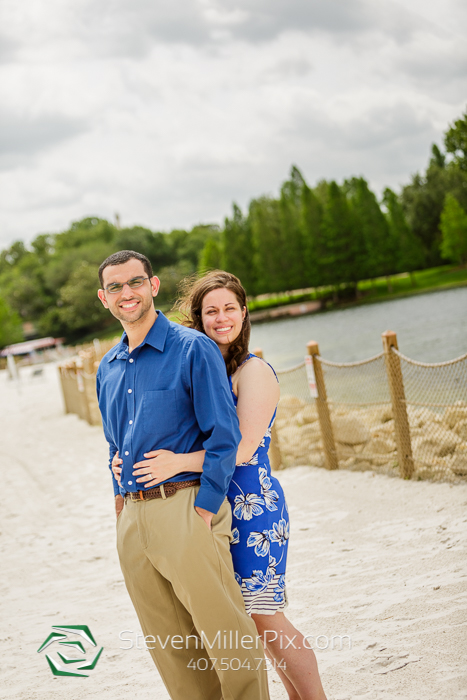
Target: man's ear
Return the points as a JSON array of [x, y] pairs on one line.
[[155, 284], [101, 295]]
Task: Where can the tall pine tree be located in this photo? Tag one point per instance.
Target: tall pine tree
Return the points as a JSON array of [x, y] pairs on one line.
[[410, 254], [454, 231], [341, 239], [311, 224], [237, 249], [290, 205], [374, 250], [269, 256]]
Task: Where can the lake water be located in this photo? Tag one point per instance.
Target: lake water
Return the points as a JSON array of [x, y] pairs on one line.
[[430, 327]]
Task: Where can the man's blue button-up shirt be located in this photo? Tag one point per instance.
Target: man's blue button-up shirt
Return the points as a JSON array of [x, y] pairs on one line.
[[171, 393]]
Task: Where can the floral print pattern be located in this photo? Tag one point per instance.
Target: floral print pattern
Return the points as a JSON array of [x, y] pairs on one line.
[[247, 506], [260, 541], [270, 496], [280, 532], [260, 531]]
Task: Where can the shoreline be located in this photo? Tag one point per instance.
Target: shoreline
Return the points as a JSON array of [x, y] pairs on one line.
[[273, 313], [397, 295]]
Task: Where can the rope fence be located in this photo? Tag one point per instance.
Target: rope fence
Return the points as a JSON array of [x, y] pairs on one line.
[[389, 414]]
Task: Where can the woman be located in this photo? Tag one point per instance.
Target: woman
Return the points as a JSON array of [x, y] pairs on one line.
[[216, 305]]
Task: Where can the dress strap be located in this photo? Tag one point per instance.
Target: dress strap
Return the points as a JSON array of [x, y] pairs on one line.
[[250, 355]]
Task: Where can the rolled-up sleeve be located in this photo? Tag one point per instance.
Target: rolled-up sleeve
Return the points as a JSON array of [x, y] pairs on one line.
[[217, 419]]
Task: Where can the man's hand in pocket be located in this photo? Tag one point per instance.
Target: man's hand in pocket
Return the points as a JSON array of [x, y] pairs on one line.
[[206, 515]]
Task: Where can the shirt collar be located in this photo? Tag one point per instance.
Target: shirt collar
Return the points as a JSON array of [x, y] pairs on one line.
[[156, 337], [157, 334]]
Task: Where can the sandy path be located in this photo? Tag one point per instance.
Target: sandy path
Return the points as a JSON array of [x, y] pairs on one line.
[[378, 559]]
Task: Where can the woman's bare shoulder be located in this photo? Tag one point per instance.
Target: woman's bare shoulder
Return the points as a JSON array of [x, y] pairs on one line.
[[257, 366], [254, 372]]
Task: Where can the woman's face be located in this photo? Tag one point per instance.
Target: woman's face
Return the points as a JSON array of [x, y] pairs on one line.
[[222, 317]]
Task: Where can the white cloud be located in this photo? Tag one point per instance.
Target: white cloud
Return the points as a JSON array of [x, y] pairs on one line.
[[267, 19], [22, 136], [168, 111]]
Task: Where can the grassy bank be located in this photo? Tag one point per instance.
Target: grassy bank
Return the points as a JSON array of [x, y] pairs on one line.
[[434, 278], [369, 291]]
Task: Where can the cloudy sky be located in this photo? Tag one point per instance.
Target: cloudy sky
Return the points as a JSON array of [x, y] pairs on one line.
[[166, 111]]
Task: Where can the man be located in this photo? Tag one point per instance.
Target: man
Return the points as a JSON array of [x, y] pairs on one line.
[[165, 387]]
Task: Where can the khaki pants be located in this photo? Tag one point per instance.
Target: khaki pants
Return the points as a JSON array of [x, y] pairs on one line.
[[180, 578]]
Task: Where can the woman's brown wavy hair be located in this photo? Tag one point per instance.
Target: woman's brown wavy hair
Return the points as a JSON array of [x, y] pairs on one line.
[[190, 303]]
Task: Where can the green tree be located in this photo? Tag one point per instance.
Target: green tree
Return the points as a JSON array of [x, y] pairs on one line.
[[188, 245], [375, 249], [269, 255], [10, 325], [237, 249], [170, 278], [454, 231], [79, 310], [153, 245], [23, 277], [83, 233], [211, 256], [342, 249], [455, 141], [292, 230], [12, 255], [311, 224], [88, 240], [409, 249], [423, 199]]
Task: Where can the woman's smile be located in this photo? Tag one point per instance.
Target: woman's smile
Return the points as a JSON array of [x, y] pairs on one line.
[[222, 317]]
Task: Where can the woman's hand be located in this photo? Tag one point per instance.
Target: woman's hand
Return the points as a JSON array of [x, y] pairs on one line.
[[159, 466], [116, 468]]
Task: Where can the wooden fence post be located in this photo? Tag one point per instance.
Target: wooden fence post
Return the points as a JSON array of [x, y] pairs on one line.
[[89, 381], [329, 446], [275, 457], [63, 384], [399, 407]]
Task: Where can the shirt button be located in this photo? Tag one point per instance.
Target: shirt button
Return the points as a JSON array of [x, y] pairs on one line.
[[129, 391], [127, 453], [130, 483], [130, 422], [131, 359]]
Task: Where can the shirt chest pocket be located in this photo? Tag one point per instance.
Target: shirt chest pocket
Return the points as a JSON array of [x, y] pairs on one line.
[[160, 415]]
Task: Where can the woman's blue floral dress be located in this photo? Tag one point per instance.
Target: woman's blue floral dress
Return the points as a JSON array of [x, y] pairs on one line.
[[260, 530]]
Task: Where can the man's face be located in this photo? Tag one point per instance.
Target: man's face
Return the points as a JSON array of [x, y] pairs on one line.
[[129, 305]]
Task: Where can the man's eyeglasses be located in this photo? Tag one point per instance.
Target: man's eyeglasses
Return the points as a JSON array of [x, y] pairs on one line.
[[134, 283]]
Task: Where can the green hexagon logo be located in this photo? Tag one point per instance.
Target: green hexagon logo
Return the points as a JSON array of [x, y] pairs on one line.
[[73, 656]]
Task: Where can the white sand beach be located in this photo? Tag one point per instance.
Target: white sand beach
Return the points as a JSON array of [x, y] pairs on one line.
[[372, 558]]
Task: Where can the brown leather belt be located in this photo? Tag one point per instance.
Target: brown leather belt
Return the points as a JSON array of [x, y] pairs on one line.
[[162, 491]]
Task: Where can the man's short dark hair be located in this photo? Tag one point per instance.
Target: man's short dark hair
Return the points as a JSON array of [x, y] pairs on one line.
[[122, 257]]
